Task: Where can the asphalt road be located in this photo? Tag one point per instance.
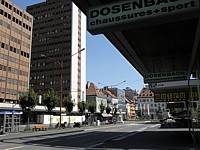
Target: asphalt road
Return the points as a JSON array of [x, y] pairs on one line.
[[126, 136]]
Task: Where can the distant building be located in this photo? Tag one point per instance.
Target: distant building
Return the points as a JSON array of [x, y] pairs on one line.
[[131, 101], [59, 35], [130, 109], [147, 108], [94, 94], [120, 94]]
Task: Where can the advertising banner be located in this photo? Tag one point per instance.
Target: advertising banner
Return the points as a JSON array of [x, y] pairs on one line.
[[135, 10]]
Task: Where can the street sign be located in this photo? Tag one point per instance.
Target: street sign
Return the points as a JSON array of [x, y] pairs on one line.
[[133, 10], [170, 96], [165, 77]]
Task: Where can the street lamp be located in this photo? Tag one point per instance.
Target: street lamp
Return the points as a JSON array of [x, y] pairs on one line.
[[114, 85], [61, 78]]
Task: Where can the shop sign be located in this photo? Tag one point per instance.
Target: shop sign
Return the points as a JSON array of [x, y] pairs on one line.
[[170, 97], [165, 76], [134, 10]]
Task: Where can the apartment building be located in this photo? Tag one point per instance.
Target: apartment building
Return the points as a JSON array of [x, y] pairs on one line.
[[120, 94], [15, 43], [131, 101], [147, 107], [58, 51]]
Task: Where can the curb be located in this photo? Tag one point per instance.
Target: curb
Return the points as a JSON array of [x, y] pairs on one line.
[[21, 136]]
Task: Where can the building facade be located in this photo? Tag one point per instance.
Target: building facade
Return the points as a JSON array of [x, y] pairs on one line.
[[15, 44], [131, 97], [120, 94], [147, 107], [94, 94], [58, 59], [15, 40]]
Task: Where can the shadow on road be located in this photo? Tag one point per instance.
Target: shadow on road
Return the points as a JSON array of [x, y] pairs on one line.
[[142, 140]]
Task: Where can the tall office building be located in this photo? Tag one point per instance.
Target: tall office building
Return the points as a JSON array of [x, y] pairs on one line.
[[59, 37], [15, 54]]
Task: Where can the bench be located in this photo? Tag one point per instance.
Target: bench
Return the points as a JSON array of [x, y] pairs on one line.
[[39, 128]]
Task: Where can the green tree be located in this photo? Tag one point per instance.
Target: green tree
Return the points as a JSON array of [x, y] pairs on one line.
[[82, 106], [27, 101], [108, 109], [68, 104], [91, 108], [50, 100], [102, 107]]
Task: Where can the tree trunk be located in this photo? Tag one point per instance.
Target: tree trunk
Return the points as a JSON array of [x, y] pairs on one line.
[[50, 120], [28, 125]]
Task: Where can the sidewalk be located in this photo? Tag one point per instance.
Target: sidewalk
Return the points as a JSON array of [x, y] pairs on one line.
[[18, 135]]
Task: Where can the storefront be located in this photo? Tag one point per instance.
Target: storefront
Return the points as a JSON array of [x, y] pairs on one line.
[[9, 121]]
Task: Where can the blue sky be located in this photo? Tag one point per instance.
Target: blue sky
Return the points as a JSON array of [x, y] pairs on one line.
[[104, 63]]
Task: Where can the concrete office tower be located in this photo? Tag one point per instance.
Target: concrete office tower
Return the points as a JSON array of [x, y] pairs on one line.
[[15, 54], [59, 35]]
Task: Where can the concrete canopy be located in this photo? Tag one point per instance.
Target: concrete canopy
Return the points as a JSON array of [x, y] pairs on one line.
[[159, 44]]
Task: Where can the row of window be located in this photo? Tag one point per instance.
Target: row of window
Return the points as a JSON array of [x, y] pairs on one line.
[[50, 26], [152, 105], [9, 91], [145, 100], [13, 70], [14, 50], [36, 45], [52, 32], [14, 29], [17, 11], [14, 39], [17, 21], [51, 38], [50, 83], [49, 8], [53, 14], [35, 70], [14, 60], [13, 81]]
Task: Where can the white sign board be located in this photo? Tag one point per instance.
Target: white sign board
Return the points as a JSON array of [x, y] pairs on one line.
[[165, 76], [133, 10], [45, 119]]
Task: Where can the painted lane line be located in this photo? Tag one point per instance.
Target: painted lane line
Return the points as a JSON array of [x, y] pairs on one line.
[[134, 133], [127, 135], [14, 148]]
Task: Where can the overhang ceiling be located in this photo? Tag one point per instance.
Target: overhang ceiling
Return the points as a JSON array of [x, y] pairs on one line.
[[161, 44]]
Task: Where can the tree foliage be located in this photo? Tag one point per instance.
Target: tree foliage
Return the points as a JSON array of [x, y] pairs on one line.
[[115, 111], [68, 104], [108, 109], [102, 107], [91, 107], [82, 106], [50, 100], [28, 100]]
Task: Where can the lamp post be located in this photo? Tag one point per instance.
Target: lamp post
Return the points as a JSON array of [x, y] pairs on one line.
[[61, 76], [61, 79]]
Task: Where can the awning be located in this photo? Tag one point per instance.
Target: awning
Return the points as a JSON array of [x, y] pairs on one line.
[[106, 115], [10, 112]]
